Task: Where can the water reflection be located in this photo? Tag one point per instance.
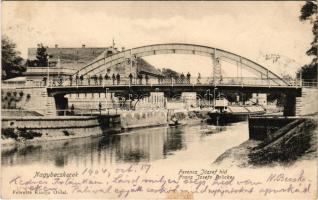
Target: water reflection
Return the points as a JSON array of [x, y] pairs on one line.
[[134, 146], [174, 141], [146, 145]]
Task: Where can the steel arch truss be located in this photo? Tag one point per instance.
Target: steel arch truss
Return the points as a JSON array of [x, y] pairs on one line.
[[126, 57]]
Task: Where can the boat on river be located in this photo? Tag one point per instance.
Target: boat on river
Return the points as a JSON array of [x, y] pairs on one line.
[[224, 113], [177, 123]]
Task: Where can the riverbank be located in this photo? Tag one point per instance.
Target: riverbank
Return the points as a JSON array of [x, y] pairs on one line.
[[11, 138], [34, 129], [294, 142], [27, 130]]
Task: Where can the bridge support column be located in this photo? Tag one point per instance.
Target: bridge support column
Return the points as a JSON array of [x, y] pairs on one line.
[[216, 68], [306, 104], [61, 104], [290, 105]]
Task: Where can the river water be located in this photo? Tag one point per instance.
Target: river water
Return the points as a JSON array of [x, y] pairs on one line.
[[201, 143], [155, 154]]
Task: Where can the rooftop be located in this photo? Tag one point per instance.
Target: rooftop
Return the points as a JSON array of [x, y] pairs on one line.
[[73, 58], [76, 58]]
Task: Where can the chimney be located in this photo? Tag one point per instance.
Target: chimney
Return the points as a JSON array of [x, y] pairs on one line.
[[83, 45], [123, 49], [56, 46]]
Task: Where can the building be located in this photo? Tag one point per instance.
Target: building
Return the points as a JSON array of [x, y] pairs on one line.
[[189, 99], [72, 57], [258, 98], [154, 101], [68, 61]]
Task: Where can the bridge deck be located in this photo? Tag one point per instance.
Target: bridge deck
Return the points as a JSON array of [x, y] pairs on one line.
[[176, 88]]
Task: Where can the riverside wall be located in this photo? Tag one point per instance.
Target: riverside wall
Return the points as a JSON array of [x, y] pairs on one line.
[[51, 128], [40, 122], [66, 127], [55, 126], [33, 99]]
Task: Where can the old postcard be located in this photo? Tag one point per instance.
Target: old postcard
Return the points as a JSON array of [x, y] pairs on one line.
[[159, 100]]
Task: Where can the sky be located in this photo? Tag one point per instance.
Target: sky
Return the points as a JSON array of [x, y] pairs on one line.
[[250, 29]]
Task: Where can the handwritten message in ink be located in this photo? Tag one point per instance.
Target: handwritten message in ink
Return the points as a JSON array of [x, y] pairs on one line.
[[127, 181]]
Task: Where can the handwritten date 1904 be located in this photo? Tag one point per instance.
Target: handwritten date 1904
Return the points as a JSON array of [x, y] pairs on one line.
[[133, 168]]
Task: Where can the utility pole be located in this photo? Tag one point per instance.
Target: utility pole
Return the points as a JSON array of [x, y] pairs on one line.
[[214, 97], [106, 98], [130, 60], [48, 73]]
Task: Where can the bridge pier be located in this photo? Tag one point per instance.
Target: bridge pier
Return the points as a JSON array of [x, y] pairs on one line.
[[306, 104], [290, 105], [61, 104]]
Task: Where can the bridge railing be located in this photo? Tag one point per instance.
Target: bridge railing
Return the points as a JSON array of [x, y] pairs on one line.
[[89, 112], [12, 85], [310, 83], [19, 84], [174, 81], [62, 112]]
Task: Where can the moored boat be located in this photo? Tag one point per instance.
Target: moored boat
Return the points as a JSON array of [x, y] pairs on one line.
[[224, 113], [177, 123]]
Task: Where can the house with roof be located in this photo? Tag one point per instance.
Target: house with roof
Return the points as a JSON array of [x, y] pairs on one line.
[[66, 61]]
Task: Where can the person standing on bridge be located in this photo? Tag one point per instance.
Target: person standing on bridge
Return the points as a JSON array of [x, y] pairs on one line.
[[81, 79], [89, 80], [100, 108], [60, 80], [100, 79], [147, 78], [130, 78], [140, 78], [113, 77], [188, 77], [182, 77], [72, 109], [71, 80], [118, 78], [44, 80], [159, 79], [76, 79], [106, 78], [198, 79], [221, 79], [95, 79]]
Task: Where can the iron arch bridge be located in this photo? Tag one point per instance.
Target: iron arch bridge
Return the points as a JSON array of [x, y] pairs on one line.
[[129, 56]]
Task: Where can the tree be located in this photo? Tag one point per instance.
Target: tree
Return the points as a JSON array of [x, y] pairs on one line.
[[309, 12], [166, 72], [11, 61], [41, 56]]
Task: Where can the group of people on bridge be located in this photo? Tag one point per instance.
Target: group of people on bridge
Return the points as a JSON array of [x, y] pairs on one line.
[[115, 79]]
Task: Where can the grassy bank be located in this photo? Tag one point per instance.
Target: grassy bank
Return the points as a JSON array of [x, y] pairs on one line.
[[297, 140]]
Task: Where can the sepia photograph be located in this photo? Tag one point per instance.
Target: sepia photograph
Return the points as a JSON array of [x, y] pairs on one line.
[[159, 100]]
